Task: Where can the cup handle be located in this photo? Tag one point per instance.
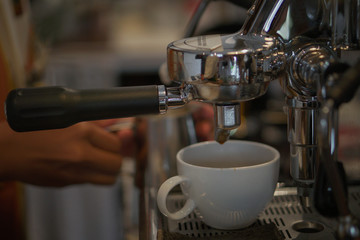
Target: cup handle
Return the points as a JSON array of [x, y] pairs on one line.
[[163, 192]]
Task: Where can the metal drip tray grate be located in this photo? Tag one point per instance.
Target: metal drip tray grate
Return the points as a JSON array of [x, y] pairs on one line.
[[292, 219]]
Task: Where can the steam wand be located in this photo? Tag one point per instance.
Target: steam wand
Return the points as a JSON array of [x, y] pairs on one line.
[[343, 91]]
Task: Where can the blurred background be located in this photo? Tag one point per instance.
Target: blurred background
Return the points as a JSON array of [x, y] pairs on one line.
[[120, 37], [107, 43]]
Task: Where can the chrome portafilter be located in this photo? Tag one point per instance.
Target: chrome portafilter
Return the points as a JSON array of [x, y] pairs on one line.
[[220, 69], [225, 70]]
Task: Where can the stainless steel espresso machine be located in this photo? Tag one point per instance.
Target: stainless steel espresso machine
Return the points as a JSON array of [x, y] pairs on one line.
[[301, 44]]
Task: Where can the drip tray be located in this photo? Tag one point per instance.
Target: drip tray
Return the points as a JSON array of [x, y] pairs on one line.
[[285, 211]]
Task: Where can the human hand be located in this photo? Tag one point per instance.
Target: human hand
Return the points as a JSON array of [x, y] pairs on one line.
[[124, 129], [82, 153]]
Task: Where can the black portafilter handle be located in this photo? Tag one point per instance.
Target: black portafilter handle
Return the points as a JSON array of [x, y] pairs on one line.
[[31, 109]]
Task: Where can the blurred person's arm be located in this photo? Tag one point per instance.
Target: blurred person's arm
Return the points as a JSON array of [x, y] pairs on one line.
[[204, 122], [83, 153]]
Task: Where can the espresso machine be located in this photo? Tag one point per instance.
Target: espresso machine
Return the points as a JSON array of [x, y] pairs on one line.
[[301, 44]]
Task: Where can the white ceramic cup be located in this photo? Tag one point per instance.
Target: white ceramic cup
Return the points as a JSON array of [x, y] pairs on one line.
[[229, 184]]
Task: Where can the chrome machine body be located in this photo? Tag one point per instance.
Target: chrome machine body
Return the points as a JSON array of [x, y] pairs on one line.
[[299, 43]]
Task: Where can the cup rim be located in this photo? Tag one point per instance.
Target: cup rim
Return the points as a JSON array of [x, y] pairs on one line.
[[275, 159]]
